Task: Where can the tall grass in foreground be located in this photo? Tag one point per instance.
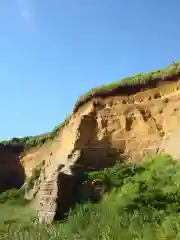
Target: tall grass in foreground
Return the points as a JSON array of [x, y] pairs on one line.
[[145, 205]]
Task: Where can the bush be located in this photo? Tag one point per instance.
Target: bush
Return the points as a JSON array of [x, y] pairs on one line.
[[115, 176], [144, 204]]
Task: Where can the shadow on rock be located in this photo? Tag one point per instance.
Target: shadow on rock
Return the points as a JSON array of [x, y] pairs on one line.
[[12, 174], [95, 154]]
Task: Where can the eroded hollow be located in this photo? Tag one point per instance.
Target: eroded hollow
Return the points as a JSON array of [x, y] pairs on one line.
[[76, 188], [95, 154]]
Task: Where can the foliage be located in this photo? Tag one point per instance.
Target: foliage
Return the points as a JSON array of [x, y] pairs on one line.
[[15, 196], [115, 176], [33, 179], [35, 141], [145, 204]]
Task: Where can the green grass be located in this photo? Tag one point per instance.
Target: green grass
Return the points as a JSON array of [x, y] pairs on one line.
[[144, 79], [143, 204], [35, 141]]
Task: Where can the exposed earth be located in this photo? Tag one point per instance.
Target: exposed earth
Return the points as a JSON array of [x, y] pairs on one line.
[[129, 122]]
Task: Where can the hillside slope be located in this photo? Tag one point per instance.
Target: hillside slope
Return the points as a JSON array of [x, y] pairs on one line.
[[129, 120], [142, 204]]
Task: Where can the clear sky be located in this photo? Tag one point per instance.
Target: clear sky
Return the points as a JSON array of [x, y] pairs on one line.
[[52, 51]]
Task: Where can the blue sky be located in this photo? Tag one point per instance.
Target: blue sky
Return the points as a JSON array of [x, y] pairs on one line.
[[52, 51]]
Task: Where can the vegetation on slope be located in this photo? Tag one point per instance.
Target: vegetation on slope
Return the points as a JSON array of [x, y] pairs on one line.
[[35, 141], [34, 179], [143, 204], [17, 195]]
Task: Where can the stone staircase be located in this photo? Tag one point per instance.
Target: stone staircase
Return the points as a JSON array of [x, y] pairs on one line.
[[47, 200], [56, 191]]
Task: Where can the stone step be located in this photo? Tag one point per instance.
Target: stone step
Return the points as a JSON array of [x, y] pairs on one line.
[[48, 183], [45, 186], [47, 196], [46, 205], [44, 189]]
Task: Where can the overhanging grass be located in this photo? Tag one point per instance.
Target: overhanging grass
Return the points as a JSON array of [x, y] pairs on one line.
[[172, 70]]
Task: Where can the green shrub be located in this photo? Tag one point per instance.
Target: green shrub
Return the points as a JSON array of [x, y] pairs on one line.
[[115, 176], [15, 196], [34, 178], [144, 204]]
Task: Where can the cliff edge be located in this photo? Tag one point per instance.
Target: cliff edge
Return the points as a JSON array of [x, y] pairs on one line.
[[131, 119]]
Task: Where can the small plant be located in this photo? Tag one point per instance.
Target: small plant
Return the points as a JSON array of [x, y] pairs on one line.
[[34, 179], [60, 166], [115, 176]]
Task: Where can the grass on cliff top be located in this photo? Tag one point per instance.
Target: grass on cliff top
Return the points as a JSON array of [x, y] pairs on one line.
[[34, 141], [145, 205], [144, 78]]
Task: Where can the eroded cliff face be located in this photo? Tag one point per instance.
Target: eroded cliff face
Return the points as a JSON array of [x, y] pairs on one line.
[[131, 126], [100, 132]]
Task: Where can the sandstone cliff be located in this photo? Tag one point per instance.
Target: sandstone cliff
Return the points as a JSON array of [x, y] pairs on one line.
[[128, 122], [104, 131]]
